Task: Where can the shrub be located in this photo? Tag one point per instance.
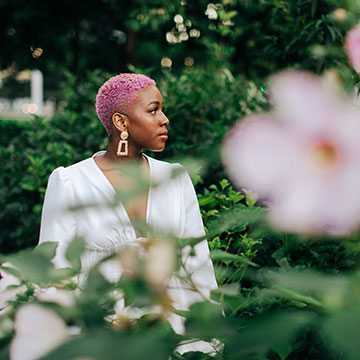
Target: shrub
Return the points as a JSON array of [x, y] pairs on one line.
[[10, 129]]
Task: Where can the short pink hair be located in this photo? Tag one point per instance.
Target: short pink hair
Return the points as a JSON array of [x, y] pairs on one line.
[[117, 94]]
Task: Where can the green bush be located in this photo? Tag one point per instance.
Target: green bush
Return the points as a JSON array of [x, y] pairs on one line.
[[282, 309], [33, 153], [10, 129]]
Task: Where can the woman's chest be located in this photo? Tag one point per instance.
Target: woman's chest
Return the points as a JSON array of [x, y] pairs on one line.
[[133, 192], [104, 216]]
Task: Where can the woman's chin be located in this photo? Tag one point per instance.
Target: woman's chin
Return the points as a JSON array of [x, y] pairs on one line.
[[157, 146], [158, 149]]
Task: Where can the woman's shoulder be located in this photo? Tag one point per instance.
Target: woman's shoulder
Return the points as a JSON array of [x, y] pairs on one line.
[[72, 171], [162, 164], [163, 171]]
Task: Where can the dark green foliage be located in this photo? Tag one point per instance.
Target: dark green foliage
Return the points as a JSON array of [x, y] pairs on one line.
[[10, 129], [38, 149], [263, 271], [202, 106]]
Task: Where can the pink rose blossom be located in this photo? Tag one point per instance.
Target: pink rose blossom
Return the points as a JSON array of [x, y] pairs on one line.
[[352, 47], [304, 157]]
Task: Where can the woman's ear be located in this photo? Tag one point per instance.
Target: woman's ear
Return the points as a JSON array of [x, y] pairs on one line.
[[119, 121]]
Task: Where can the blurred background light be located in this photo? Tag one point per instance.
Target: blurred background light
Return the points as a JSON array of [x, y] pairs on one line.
[[211, 12], [32, 108], [180, 27], [166, 62], [37, 53], [24, 75], [184, 36], [194, 33], [178, 18], [171, 38], [119, 36], [189, 61]]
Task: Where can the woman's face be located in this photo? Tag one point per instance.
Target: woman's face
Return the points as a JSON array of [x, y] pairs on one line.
[[147, 123]]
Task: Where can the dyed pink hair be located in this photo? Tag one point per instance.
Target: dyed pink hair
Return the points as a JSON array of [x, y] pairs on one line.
[[117, 94]]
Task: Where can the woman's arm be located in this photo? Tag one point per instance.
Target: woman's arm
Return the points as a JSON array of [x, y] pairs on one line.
[[199, 266], [57, 221]]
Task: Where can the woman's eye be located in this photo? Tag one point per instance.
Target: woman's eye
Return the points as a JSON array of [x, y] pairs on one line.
[[153, 111]]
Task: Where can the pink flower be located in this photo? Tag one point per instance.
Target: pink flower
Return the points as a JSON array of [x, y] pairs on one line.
[[352, 47], [304, 158], [38, 330]]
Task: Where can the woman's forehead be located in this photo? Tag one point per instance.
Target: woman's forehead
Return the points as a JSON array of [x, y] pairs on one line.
[[148, 95]]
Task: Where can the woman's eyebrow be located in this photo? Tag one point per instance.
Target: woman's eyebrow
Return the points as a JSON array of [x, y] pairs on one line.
[[153, 102]]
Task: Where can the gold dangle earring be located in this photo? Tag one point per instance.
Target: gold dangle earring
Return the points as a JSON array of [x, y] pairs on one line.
[[123, 146]]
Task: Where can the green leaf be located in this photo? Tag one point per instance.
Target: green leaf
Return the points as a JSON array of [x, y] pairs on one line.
[[103, 344], [314, 5], [224, 183], [48, 249], [206, 321], [283, 350], [12, 271], [74, 252], [33, 266], [236, 218], [221, 255], [251, 197], [257, 336], [343, 329]]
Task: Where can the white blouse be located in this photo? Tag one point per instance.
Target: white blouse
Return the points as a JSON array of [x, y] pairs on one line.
[[172, 207]]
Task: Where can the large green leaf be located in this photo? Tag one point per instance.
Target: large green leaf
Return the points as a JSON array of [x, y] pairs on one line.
[[257, 336], [103, 344], [34, 266], [74, 252], [221, 255], [48, 249], [343, 329]]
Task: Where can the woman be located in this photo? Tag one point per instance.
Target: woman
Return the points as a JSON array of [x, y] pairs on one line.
[[130, 107]]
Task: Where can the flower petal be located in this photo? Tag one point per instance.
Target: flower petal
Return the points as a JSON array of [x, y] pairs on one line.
[[301, 100], [259, 154], [352, 47], [38, 330]]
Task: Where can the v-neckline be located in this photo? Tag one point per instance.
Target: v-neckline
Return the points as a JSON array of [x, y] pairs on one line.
[[113, 190]]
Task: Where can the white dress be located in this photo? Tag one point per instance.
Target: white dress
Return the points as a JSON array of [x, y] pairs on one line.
[[172, 207]]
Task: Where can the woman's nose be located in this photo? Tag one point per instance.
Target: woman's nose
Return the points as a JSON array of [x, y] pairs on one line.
[[164, 120]]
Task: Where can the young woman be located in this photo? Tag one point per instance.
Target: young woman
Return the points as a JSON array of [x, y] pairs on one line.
[[130, 106]]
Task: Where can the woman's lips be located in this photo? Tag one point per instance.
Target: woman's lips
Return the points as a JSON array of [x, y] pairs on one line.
[[164, 135]]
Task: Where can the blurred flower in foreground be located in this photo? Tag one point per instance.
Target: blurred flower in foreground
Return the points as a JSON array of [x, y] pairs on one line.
[[7, 280], [352, 47], [160, 262], [304, 158], [58, 296], [38, 330]]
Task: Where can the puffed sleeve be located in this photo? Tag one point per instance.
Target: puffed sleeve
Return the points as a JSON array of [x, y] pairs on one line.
[[199, 266], [57, 221]]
